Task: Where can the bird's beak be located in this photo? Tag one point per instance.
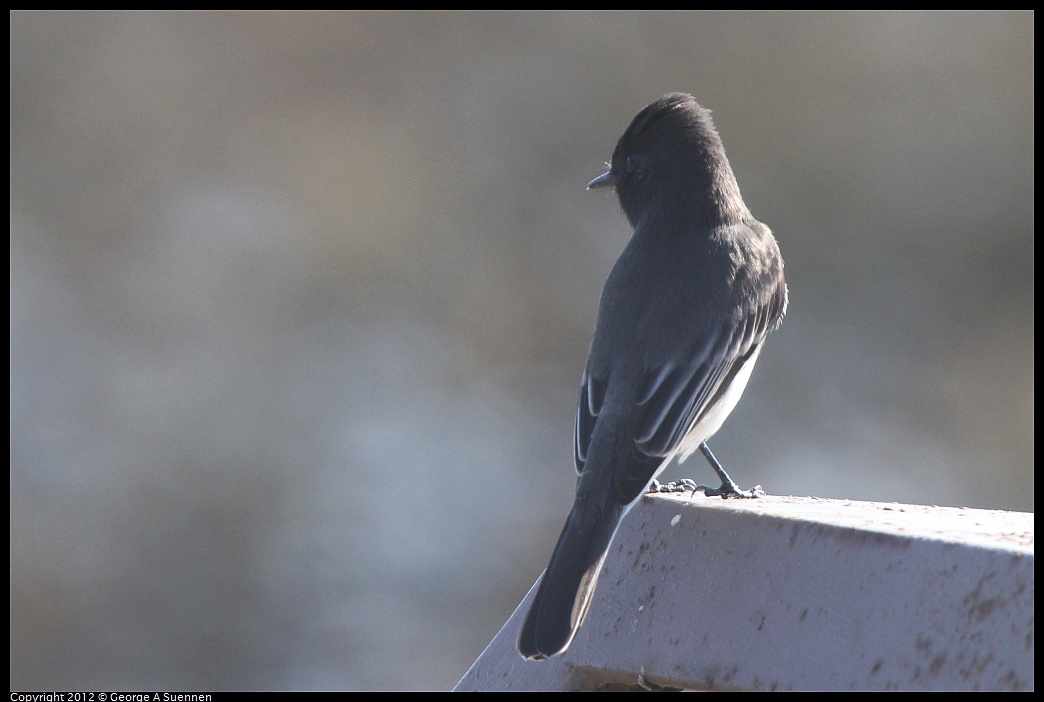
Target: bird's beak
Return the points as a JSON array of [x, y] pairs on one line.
[[606, 180]]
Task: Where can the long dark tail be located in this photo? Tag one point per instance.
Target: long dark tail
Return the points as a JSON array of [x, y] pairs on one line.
[[569, 581]]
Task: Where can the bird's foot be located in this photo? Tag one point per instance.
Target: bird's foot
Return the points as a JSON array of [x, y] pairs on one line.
[[683, 485], [731, 489], [728, 488]]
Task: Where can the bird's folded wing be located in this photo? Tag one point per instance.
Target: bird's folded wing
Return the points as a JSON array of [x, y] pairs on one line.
[[673, 396]]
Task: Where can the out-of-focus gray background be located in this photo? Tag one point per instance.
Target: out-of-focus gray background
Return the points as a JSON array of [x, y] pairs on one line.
[[300, 304]]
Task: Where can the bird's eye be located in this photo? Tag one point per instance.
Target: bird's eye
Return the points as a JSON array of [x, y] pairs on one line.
[[635, 168]]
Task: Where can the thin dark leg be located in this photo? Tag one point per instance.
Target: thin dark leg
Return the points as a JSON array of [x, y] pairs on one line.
[[728, 488]]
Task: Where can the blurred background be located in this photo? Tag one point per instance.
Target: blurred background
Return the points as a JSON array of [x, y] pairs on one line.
[[300, 304]]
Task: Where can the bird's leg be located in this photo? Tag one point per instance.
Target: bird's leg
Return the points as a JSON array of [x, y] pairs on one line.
[[728, 488]]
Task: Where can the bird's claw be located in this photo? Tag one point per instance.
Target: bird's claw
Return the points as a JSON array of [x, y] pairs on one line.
[[683, 485], [726, 491]]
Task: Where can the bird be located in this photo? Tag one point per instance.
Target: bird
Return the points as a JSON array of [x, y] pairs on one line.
[[681, 321]]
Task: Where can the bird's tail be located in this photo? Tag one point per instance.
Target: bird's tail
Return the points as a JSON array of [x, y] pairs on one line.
[[568, 583]]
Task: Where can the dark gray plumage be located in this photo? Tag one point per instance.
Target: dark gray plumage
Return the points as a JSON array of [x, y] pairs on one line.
[[681, 321]]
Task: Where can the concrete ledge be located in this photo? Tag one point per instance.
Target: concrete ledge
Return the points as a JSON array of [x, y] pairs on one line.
[[788, 593]]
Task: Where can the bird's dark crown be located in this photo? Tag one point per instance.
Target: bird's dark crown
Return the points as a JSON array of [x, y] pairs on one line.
[[672, 150]]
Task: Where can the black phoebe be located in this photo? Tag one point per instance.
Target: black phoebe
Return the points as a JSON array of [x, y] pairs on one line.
[[681, 322]]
